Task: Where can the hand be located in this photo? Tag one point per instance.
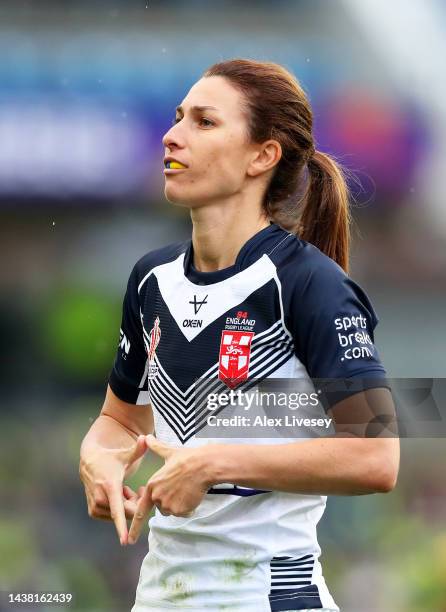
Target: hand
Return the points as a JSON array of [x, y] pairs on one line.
[[102, 471], [131, 499], [177, 488]]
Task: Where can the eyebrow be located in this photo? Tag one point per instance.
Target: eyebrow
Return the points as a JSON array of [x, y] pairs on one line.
[[179, 109]]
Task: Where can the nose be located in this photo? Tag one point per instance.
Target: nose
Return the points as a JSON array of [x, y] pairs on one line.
[[172, 138]]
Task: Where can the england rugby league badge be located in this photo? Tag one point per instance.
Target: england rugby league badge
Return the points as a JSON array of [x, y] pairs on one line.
[[235, 353]]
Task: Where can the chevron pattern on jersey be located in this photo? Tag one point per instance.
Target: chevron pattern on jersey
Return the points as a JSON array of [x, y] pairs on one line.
[[186, 411], [185, 360]]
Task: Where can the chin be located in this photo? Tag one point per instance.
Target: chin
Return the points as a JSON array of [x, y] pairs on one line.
[[174, 198]]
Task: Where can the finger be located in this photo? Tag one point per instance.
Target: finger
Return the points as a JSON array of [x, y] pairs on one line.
[[133, 495], [129, 493], [158, 447], [138, 450], [95, 511], [102, 512], [99, 498], [129, 511], [142, 512], [94, 506], [129, 508], [117, 511]]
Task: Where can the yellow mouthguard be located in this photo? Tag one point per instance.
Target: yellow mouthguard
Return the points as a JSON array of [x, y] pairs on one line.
[[176, 165]]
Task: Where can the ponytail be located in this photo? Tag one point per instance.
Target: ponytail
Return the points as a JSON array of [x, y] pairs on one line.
[[325, 219]]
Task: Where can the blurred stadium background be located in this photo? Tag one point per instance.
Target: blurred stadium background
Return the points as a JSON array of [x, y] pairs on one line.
[[87, 88]]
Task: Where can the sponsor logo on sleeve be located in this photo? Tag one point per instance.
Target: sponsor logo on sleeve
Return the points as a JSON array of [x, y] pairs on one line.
[[353, 337], [124, 344]]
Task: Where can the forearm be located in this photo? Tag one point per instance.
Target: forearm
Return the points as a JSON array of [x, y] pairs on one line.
[[329, 466]]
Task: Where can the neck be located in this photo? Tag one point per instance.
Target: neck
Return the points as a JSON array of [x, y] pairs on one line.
[[220, 231]]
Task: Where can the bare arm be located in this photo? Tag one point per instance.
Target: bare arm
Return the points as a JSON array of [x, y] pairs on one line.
[[331, 466], [348, 464], [113, 449], [118, 426]]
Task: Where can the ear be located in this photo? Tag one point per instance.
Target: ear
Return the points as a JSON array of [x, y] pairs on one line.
[[266, 156]]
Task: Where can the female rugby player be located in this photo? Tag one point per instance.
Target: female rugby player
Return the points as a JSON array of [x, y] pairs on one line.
[[244, 299]]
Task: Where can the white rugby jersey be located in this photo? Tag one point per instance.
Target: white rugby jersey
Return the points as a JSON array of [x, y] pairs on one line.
[[283, 310]]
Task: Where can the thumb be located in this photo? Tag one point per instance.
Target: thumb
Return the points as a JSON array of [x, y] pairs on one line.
[[138, 450], [158, 447]]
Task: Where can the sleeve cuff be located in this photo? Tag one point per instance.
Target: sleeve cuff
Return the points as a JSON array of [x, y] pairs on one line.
[[122, 390], [336, 390]]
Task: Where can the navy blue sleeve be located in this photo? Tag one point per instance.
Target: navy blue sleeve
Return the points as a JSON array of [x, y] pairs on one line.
[[332, 322], [128, 374]]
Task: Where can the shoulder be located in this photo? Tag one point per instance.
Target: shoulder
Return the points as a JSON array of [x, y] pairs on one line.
[[302, 265], [316, 283]]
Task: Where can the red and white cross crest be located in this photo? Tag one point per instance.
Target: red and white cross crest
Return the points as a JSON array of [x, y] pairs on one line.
[[235, 352]]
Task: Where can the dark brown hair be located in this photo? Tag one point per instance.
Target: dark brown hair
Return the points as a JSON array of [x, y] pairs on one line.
[[277, 108]]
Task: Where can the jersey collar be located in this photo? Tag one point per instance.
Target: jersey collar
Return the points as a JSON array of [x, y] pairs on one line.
[[262, 242]]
